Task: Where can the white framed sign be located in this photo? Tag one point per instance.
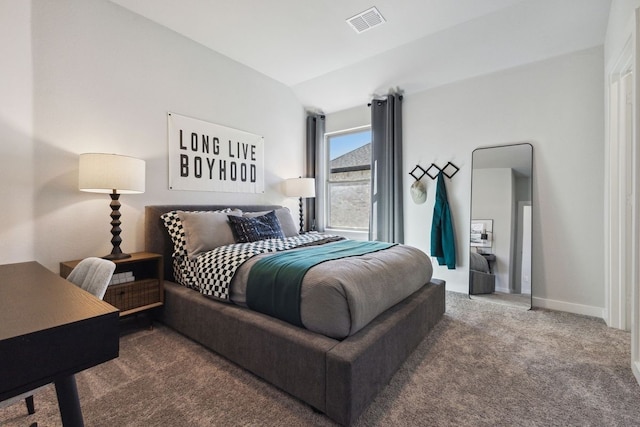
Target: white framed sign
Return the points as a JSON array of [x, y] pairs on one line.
[[482, 233], [204, 156]]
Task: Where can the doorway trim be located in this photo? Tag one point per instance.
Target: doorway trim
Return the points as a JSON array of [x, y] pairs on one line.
[[635, 202], [617, 188], [622, 181]]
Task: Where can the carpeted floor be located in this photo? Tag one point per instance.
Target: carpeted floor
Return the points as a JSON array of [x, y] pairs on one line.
[[485, 364]]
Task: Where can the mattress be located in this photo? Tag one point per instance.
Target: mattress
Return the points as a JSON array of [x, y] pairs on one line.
[[340, 297]]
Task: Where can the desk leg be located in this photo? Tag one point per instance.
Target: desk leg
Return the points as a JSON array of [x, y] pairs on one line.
[[68, 402]]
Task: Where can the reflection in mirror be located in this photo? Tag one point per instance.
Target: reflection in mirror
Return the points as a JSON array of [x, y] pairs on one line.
[[500, 229]]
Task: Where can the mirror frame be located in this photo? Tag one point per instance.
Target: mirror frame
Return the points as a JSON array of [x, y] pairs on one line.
[[531, 164]]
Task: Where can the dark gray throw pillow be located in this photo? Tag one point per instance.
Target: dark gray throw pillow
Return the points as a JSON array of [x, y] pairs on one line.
[[257, 228]]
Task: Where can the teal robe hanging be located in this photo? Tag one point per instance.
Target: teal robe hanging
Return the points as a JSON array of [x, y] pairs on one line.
[[443, 243]]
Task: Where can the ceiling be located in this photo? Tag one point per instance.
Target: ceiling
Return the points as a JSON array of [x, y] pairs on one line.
[[308, 46]]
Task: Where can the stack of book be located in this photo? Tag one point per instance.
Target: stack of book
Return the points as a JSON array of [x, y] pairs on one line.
[[124, 277]]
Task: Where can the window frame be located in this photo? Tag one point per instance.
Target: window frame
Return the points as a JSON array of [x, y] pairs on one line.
[[356, 234]]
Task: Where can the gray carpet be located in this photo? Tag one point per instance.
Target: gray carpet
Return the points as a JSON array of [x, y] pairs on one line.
[[485, 364]]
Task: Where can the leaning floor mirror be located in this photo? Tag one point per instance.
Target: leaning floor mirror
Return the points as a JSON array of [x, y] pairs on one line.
[[500, 229]]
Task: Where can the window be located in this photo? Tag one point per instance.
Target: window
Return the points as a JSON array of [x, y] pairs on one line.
[[348, 195]]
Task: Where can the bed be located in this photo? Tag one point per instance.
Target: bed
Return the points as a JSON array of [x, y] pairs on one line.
[[338, 377]]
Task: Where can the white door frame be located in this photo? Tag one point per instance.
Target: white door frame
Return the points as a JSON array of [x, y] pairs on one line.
[[622, 181], [635, 208], [618, 172]]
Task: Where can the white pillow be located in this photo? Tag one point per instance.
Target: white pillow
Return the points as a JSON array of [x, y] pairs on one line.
[[206, 230]]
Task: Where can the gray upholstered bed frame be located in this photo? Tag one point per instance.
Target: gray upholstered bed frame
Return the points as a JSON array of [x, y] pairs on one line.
[[338, 378]]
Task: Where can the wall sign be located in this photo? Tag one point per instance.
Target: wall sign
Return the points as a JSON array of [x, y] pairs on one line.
[[208, 157], [482, 233]]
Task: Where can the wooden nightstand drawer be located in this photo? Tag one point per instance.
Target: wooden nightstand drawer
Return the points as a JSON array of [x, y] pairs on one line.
[[132, 295], [145, 291]]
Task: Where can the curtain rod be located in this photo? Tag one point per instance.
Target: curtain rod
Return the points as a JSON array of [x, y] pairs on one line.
[[400, 97]]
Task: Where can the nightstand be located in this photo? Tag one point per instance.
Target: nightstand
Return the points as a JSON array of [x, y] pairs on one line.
[[132, 295]]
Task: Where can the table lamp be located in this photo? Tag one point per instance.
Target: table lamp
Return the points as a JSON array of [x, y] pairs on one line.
[[301, 188], [113, 174]]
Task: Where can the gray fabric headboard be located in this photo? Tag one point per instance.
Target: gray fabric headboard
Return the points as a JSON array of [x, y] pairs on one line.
[[156, 238]]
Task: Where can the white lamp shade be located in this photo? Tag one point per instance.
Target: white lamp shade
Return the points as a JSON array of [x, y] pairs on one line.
[[104, 173], [300, 187]]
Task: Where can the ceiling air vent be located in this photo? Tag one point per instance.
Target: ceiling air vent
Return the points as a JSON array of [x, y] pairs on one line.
[[366, 20]]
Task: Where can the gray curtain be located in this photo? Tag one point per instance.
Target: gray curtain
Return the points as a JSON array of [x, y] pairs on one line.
[[386, 222], [314, 208]]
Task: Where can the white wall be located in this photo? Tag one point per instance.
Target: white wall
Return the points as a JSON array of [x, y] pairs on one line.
[[16, 143], [103, 80], [348, 119], [557, 106]]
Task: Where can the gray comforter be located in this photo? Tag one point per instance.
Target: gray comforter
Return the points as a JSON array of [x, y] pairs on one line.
[[340, 297]]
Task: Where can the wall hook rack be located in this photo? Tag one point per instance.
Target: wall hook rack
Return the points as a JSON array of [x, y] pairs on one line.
[[419, 171], [449, 170], [433, 174]]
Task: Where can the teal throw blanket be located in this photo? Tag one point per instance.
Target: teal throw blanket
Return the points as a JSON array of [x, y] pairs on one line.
[[274, 282]]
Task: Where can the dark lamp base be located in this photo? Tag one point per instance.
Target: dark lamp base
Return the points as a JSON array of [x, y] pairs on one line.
[[116, 252], [301, 216], [117, 256]]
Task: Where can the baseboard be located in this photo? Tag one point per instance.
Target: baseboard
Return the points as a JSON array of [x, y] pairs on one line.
[[586, 310]]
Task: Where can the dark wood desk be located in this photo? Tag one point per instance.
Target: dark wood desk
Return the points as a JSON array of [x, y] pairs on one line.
[[51, 329]]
